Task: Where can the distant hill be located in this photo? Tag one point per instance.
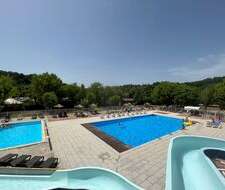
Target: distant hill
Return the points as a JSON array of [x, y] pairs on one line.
[[22, 79], [19, 78], [206, 82]]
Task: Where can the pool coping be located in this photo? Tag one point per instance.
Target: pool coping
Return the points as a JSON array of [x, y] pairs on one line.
[[29, 144], [111, 141]]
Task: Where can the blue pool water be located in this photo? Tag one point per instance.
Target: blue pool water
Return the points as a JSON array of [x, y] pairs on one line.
[[21, 133], [135, 131]]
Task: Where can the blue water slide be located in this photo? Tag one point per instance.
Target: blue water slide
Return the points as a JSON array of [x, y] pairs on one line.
[[189, 168], [88, 178]]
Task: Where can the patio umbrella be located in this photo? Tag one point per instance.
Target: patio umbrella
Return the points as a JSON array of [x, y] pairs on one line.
[[93, 106], [189, 108], [12, 101], [58, 106], [78, 106], [147, 105], [127, 106]]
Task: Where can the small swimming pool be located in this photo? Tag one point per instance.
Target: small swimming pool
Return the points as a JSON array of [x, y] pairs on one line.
[[135, 131], [19, 134]]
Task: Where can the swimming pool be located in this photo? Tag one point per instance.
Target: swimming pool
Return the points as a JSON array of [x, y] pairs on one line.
[[135, 131], [21, 133]]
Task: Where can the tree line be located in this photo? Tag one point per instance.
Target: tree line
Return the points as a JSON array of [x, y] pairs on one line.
[[46, 90]]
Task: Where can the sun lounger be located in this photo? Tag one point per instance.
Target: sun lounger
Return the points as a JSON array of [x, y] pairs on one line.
[[55, 116], [64, 114], [34, 162], [7, 118], [3, 125], [34, 116], [5, 160], [216, 124], [41, 115], [50, 163], [60, 114], [208, 124], [20, 160], [5, 121]]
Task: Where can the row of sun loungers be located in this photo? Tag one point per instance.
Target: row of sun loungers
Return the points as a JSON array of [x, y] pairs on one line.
[[215, 124], [20, 118], [122, 114], [28, 161]]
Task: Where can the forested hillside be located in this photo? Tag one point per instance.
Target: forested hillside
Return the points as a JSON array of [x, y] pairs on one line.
[[46, 90], [206, 82]]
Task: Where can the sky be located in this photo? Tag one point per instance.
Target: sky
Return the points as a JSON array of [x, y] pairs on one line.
[[114, 41]]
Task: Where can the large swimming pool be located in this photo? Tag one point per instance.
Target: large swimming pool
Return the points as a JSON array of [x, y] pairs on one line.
[[21, 133], [135, 131]]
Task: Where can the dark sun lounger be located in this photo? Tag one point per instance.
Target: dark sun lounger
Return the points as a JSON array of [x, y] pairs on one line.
[[5, 160], [20, 160], [50, 163], [34, 162]]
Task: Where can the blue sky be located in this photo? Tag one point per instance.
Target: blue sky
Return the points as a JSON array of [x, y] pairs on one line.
[[114, 41]]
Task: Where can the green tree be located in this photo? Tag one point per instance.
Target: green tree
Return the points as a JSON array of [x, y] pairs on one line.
[[207, 96], [147, 90], [139, 95], [114, 100], [91, 98], [163, 93], [84, 102], [6, 85], [220, 94], [82, 93], [14, 92], [185, 95], [69, 94], [97, 91], [43, 83], [49, 99]]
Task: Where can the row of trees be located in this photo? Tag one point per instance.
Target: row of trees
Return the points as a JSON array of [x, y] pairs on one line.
[[46, 90]]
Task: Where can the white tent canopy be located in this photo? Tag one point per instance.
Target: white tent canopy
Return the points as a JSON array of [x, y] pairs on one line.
[[189, 108], [12, 101], [58, 106]]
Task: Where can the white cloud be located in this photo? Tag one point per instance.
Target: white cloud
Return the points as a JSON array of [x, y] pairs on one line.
[[204, 67]]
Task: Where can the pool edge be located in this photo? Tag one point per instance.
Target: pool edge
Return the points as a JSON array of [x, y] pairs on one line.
[[43, 136]]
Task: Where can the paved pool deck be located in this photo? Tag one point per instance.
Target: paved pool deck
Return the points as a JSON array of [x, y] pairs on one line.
[[144, 165]]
